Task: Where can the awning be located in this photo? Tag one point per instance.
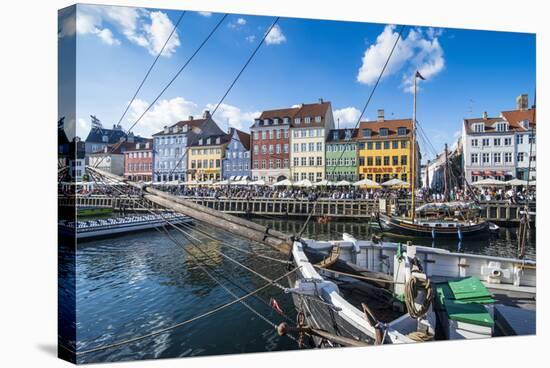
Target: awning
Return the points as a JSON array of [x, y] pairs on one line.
[[476, 173], [499, 173], [488, 172]]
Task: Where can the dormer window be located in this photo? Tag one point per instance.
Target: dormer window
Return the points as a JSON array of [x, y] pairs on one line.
[[200, 142], [335, 135], [525, 124], [479, 128], [218, 140], [384, 132], [317, 119], [275, 121], [147, 145], [105, 139], [501, 127], [296, 120], [307, 120], [266, 121], [208, 140], [286, 120], [402, 131], [258, 121], [367, 133], [348, 135]]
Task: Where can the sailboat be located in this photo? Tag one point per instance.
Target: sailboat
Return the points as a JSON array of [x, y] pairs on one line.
[[442, 227]]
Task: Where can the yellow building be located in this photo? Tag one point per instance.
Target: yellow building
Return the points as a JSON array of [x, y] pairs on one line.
[[204, 159], [308, 132], [385, 150]]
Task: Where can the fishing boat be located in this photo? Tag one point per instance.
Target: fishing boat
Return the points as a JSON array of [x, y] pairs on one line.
[[388, 293]]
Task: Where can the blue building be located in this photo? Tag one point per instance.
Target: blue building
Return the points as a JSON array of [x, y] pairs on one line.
[[171, 144], [237, 156]]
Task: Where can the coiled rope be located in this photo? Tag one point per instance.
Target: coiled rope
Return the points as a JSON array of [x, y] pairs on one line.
[[412, 287]]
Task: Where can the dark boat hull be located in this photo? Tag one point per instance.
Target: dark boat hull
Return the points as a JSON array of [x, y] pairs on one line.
[[401, 227]]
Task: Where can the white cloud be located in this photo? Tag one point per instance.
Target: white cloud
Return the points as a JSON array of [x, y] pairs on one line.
[[237, 24], [83, 128], [170, 111], [232, 116], [241, 21], [348, 117], [420, 50], [205, 14], [164, 112], [67, 24], [275, 36], [250, 38], [141, 27]]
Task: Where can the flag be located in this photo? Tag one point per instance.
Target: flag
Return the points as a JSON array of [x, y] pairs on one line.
[[418, 75]]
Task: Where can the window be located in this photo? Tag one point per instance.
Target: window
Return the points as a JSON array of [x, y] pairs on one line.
[[303, 147], [296, 134], [319, 161], [394, 144], [303, 161], [367, 133], [263, 164], [474, 158], [402, 131], [270, 148], [296, 147], [403, 144], [264, 148], [369, 145], [404, 177], [496, 158], [384, 132], [485, 142], [532, 138], [519, 139], [319, 146], [275, 121], [507, 157], [317, 119], [507, 141], [277, 163], [278, 133], [479, 128], [296, 120], [296, 161], [311, 147], [271, 164], [378, 160], [386, 145], [520, 156], [395, 160], [271, 134], [378, 145], [502, 127], [485, 158], [264, 134], [362, 161], [286, 134], [311, 161], [533, 158], [386, 160], [403, 159], [496, 142], [286, 148]]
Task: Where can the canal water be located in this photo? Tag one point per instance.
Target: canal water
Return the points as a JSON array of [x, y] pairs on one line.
[[134, 284]]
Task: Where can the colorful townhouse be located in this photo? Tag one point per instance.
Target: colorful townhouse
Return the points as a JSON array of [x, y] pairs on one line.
[[205, 157], [170, 146], [500, 147], [385, 150], [309, 127], [341, 155], [271, 145], [236, 164], [138, 161]]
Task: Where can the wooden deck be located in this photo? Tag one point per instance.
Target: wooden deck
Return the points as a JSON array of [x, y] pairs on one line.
[[500, 212]]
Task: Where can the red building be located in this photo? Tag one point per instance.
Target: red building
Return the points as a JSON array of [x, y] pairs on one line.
[[138, 161], [271, 145]]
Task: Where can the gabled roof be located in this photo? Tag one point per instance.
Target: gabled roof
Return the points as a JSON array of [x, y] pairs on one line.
[[302, 111], [191, 124], [132, 146], [224, 139], [513, 117], [341, 135], [116, 148], [113, 135], [243, 137], [391, 125]]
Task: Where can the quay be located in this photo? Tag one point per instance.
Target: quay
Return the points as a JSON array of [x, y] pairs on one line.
[[500, 212]]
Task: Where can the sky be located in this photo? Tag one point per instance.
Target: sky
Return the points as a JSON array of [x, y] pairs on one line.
[[467, 71]]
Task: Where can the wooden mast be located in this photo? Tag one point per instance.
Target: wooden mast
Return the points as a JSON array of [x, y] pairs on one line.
[[413, 150]]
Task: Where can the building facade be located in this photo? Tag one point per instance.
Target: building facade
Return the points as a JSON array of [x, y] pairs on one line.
[[237, 155], [206, 156], [138, 161], [308, 132], [385, 150], [170, 146], [270, 144], [110, 158], [341, 155], [499, 147]]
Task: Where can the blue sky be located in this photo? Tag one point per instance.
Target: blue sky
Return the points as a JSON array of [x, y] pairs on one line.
[[467, 72]]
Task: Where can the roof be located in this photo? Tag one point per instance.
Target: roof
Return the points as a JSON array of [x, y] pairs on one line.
[[391, 125], [341, 135], [96, 135], [191, 124], [224, 139], [302, 111], [141, 147], [244, 138], [513, 117], [117, 148]]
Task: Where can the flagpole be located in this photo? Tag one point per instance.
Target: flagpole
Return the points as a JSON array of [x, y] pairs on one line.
[[413, 150]]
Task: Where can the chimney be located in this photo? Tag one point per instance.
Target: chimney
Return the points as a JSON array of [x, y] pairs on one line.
[[321, 100], [380, 116], [522, 102], [190, 117], [166, 129], [485, 116], [206, 114]]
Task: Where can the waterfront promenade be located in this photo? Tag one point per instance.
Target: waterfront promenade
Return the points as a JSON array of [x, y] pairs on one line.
[[502, 212]]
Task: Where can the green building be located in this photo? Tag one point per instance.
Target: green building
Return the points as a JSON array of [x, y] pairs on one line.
[[341, 155]]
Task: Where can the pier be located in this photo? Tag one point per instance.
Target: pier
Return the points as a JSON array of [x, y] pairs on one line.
[[501, 212]]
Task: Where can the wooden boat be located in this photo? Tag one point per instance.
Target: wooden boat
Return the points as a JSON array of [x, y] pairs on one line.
[[434, 228], [331, 300], [94, 211]]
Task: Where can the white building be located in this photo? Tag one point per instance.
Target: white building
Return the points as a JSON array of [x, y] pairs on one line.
[[498, 147]]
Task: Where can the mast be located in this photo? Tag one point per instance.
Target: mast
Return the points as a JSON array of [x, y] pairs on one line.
[[446, 175], [413, 150]]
